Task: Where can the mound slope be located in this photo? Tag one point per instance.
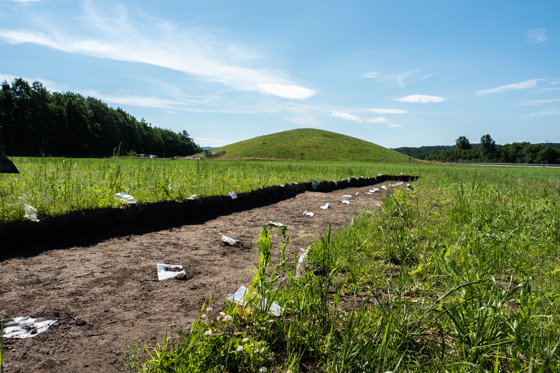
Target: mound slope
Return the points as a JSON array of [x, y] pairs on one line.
[[314, 144]]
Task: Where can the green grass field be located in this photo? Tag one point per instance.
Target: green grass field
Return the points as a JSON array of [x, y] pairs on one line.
[[459, 275], [56, 185], [316, 145]]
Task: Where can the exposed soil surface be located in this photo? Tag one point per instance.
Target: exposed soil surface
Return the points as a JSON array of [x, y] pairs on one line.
[[102, 289]]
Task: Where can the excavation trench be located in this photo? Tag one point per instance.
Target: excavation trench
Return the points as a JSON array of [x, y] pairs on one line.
[[95, 271]]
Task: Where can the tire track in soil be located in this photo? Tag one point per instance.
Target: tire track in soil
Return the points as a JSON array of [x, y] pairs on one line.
[[103, 292]]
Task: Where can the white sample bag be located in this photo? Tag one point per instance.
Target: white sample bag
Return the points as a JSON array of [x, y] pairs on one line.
[[125, 198], [232, 195], [228, 240], [26, 327], [301, 257], [314, 185], [30, 213], [276, 224], [163, 273], [308, 213], [383, 187], [241, 295], [346, 202], [325, 206], [346, 196]]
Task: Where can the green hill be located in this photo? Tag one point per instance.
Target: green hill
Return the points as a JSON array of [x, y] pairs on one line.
[[315, 144]]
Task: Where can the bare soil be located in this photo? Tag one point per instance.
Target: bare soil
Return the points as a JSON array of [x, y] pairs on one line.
[[103, 289]]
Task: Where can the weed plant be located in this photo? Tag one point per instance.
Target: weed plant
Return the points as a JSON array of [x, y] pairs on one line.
[[460, 274]]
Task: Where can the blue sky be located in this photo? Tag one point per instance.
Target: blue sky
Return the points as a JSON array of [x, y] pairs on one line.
[[396, 73]]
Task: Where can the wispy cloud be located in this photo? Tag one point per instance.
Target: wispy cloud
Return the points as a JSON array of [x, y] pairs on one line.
[[50, 85], [371, 75], [394, 125], [400, 79], [287, 91], [421, 99], [378, 120], [388, 111], [523, 85], [196, 52], [538, 102], [346, 116], [205, 141], [545, 113], [537, 35]]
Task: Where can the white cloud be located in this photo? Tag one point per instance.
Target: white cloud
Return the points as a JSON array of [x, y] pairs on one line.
[[544, 113], [205, 141], [523, 85], [378, 120], [421, 99], [52, 86], [398, 79], [346, 116], [135, 100], [388, 111], [371, 75], [24, 1], [537, 102], [193, 51], [537, 35], [287, 91], [394, 125]]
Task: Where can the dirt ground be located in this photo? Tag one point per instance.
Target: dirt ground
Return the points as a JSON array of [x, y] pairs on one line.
[[103, 290]]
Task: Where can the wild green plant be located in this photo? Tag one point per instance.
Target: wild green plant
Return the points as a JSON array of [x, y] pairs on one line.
[[460, 274]]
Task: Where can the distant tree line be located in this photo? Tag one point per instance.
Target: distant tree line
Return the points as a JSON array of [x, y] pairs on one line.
[[36, 122], [488, 151]]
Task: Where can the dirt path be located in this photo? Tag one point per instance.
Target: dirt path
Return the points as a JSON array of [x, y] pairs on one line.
[[106, 290]]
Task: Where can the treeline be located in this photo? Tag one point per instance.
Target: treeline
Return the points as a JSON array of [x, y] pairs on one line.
[[36, 122], [488, 151], [423, 151]]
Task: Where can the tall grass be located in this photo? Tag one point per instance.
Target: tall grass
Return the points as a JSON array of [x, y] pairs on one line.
[[56, 185], [459, 275]]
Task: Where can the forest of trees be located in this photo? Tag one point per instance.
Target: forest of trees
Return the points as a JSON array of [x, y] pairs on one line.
[[488, 151], [36, 122]]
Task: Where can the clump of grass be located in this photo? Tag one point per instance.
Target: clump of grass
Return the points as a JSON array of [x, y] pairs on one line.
[[459, 275]]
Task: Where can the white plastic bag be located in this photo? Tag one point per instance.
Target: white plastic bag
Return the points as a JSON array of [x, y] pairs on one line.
[[314, 185], [383, 187], [228, 240], [335, 183], [26, 327], [232, 195], [192, 197], [241, 295], [125, 198], [346, 202], [276, 224], [325, 206], [30, 213], [301, 257], [308, 213], [165, 271], [346, 196]]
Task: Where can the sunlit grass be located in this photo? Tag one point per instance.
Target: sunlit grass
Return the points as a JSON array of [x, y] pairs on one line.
[[460, 274]]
